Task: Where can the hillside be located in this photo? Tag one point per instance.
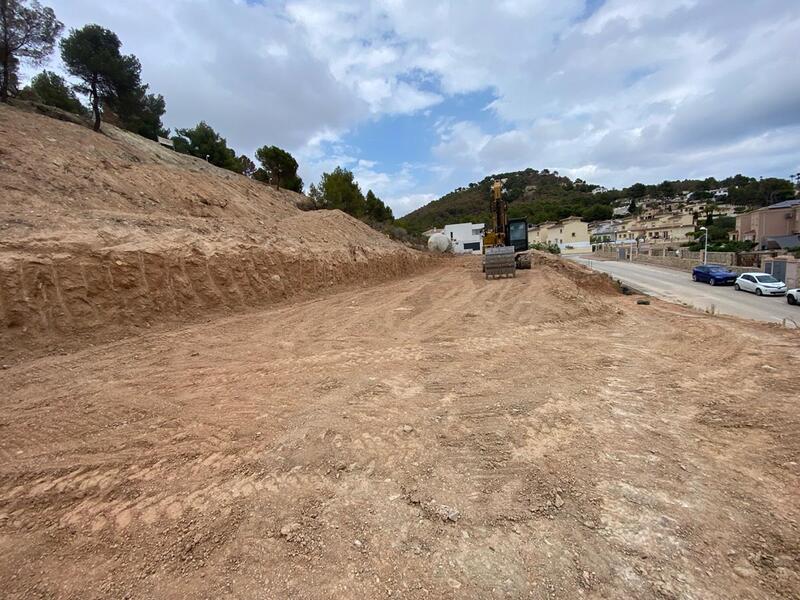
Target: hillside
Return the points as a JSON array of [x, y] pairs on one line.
[[110, 233], [546, 196], [538, 195]]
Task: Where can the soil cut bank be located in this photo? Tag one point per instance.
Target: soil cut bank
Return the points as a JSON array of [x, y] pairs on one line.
[[114, 233]]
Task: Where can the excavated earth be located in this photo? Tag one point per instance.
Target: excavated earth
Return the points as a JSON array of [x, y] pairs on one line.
[[105, 235], [412, 433]]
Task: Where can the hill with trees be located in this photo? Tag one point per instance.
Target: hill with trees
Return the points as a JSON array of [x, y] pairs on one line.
[[548, 196]]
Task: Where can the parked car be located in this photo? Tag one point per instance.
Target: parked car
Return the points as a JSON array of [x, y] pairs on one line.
[[793, 296], [713, 274], [762, 284]]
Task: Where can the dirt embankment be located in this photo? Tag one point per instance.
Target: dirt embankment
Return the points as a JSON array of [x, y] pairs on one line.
[[110, 233]]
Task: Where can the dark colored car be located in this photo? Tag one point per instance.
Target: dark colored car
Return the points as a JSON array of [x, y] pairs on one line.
[[714, 274]]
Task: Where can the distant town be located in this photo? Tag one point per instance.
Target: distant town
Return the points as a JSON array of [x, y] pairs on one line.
[[659, 223]]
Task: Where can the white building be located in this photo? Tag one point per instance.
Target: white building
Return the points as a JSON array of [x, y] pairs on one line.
[[465, 237]]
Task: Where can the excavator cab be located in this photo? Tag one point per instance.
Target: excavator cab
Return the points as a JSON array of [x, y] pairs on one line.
[[517, 234]]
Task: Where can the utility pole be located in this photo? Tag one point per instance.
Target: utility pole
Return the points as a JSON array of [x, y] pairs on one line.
[[705, 248]]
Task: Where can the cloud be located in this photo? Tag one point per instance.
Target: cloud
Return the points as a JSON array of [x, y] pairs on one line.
[[617, 90], [241, 67]]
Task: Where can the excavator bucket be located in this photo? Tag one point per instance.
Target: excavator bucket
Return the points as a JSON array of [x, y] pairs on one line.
[[499, 261]]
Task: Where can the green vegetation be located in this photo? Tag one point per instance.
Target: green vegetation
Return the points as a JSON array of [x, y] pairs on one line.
[[28, 31], [279, 168], [722, 246], [536, 195], [203, 142], [52, 90], [718, 239], [547, 196], [339, 189], [111, 80], [548, 247], [248, 166]]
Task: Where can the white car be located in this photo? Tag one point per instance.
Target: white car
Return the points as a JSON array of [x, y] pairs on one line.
[[762, 284], [793, 296]]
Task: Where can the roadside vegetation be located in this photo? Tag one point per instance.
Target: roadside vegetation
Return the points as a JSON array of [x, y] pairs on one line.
[[546, 247]]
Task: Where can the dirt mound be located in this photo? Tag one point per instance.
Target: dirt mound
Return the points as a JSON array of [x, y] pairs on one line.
[[107, 233], [586, 278]]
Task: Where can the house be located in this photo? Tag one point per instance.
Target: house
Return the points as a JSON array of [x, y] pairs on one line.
[[622, 211], [771, 226], [604, 231], [656, 227], [537, 234], [664, 227], [428, 233], [571, 235], [599, 190], [465, 237]]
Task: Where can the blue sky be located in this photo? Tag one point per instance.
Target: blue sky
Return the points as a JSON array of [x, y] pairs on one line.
[[418, 97]]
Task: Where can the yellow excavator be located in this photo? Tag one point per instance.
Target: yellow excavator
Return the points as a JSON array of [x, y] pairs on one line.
[[505, 244]]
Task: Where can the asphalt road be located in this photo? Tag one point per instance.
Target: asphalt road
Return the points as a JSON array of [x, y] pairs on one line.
[[677, 286]]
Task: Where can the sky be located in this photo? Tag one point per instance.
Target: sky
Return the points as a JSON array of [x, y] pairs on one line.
[[418, 97]]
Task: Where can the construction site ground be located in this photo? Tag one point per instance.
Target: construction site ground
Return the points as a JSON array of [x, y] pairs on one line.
[[433, 436]]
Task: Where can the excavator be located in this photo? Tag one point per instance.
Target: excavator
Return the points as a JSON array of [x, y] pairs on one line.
[[505, 244]]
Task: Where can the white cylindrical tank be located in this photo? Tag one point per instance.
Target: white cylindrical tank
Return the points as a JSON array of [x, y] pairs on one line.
[[439, 242]]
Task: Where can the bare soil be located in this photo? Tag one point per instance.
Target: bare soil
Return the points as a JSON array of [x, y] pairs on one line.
[[435, 436], [107, 235]]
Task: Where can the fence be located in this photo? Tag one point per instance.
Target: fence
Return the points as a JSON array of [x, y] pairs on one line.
[[681, 258]]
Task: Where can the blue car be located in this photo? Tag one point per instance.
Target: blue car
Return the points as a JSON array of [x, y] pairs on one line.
[[714, 275]]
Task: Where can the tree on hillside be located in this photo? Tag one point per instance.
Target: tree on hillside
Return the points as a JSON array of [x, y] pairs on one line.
[[139, 111], [9, 82], [92, 55], [29, 31], [375, 209], [315, 196], [203, 142], [637, 190], [632, 208], [247, 166], [279, 167], [597, 212], [762, 192], [340, 190], [666, 189], [52, 90]]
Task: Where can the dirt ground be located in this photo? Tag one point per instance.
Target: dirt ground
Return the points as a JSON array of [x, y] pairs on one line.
[[437, 436]]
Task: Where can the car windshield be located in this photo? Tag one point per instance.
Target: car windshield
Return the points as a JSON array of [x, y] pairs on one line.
[[766, 279]]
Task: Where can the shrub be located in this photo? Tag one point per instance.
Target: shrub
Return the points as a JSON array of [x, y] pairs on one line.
[[548, 247]]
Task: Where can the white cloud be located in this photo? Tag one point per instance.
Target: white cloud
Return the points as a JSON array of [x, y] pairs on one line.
[[641, 89], [405, 204], [243, 68]]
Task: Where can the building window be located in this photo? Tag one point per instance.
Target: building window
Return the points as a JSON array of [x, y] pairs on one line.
[[573, 234]]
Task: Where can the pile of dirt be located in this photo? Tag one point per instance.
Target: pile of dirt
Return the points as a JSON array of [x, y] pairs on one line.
[[586, 278], [107, 233]]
